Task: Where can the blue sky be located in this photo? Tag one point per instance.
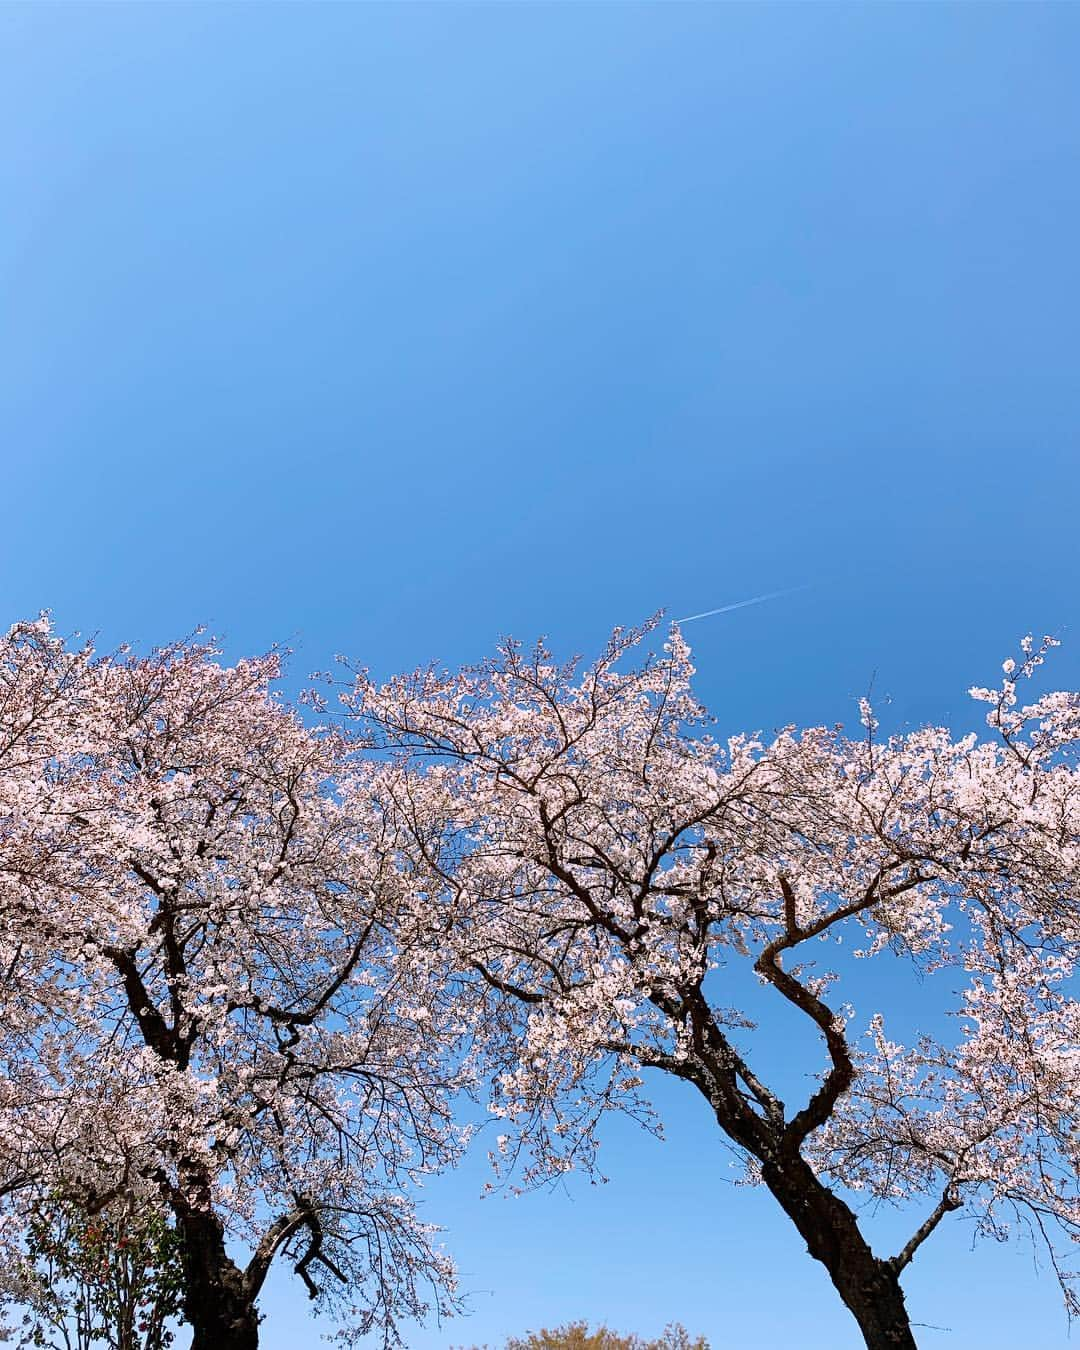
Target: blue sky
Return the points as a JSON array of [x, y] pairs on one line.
[[388, 329]]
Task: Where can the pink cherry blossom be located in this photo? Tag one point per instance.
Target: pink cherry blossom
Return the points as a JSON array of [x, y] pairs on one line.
[[204, 995], [605, 866]]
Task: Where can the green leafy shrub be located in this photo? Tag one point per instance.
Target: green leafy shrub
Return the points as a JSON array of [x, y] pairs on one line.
[[107, 1279]]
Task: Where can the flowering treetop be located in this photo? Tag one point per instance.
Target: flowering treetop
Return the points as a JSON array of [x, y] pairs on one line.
[[604, 862], [203, 988]]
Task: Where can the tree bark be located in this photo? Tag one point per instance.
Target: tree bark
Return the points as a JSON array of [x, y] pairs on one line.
[[219, 1303], [869, 1287]]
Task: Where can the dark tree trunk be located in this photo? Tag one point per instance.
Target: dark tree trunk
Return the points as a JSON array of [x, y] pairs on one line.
[[218, 1302], [869, 1287]]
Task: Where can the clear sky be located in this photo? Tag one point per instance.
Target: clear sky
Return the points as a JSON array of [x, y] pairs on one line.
[[388, 329]]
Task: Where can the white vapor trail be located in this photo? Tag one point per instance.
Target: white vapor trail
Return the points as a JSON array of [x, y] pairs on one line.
[[742, 604]]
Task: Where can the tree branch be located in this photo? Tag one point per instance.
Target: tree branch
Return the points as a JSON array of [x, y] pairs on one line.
[[948, 1202], [273, 1240]]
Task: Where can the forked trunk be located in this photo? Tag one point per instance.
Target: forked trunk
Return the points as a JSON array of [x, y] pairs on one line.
[[870, 1288]]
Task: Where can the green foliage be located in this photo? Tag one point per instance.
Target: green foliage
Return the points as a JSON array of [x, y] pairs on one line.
[[109, 1279], [577, 1336]]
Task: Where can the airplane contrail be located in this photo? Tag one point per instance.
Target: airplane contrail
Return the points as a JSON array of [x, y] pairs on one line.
[[742, 604]]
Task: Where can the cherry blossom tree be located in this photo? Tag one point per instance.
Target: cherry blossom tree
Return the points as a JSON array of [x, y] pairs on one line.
[[204, 989], [610, 873]]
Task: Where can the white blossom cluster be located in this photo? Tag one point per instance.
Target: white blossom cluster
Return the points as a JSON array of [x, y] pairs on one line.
[[253, 964], [204, 996], [608, 861]]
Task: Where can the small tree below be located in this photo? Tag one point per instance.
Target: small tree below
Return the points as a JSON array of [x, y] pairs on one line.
[[108, 1279], [577, 1336]]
